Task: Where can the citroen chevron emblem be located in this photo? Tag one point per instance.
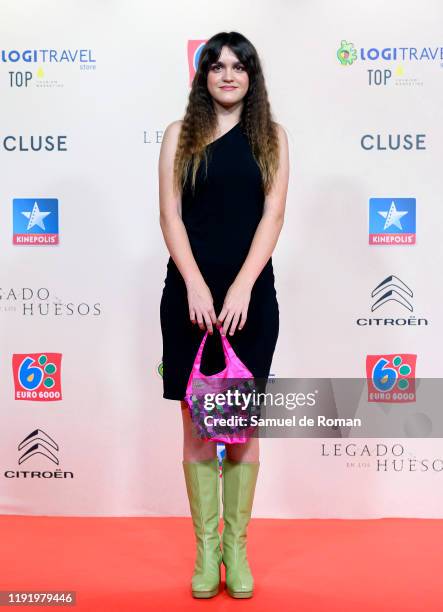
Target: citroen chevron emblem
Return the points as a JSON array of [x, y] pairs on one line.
[[392, 289], [38, 443]]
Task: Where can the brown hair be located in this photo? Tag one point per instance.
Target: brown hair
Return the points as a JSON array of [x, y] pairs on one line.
[[200, 120]]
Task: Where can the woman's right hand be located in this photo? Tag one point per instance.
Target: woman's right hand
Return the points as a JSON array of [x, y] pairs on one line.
[[201, 307]]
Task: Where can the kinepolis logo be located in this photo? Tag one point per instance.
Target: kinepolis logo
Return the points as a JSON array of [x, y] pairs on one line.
[[32, 61], [392, 291], [35, 144], [384, 458], [35, 221], [41, 301], [348, 55], [392, 221], [38, 442], [393, 142]]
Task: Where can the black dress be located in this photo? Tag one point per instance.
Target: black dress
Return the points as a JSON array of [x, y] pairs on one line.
[[220, 220]]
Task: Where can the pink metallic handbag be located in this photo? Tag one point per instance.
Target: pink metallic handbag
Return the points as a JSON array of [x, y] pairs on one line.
[[235, 376]]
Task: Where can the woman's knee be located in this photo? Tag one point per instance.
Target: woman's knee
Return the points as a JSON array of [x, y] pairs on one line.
[[247, 451]]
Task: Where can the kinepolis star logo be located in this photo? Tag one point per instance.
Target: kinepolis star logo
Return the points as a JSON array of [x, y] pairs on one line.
[[392, 291], [399, 57], [38, 446], [392, 221], [35, 221]]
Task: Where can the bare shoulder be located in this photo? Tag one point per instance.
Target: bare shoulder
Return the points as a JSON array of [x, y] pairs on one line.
[[169, 142], [172, 132], [282, 135]]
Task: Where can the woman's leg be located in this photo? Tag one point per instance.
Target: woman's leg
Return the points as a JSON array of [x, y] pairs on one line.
[[240, 471], [194, 449], [200, 466]]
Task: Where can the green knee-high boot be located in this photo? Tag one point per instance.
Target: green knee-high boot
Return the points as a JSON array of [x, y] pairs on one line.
[[203, 488], [239, 480]]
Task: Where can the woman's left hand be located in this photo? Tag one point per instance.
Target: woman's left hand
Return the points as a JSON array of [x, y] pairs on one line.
[[235, 307]]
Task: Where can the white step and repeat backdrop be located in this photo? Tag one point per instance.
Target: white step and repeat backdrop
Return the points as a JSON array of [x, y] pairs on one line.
[[87, 89]]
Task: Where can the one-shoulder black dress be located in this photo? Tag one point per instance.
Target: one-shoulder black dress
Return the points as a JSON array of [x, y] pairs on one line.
[[220, 220]]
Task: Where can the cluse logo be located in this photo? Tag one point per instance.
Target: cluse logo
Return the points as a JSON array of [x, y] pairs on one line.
[[37, 376], [38, 444], [392, 292], [393, 142], [35, 144]]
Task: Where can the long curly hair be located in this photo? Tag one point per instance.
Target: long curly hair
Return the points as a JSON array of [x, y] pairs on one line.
[[200, 121]]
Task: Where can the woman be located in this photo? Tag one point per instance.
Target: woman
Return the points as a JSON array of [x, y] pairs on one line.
[[223, 179]]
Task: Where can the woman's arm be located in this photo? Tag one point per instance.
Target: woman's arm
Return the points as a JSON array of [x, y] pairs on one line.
[[175, 235], [265, 238]]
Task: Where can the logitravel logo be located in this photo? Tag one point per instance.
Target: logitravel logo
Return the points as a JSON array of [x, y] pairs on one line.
[[391, 378], [194, 50], [347, 55], [37, 445], [392, 221], [37, 376], [32, 61], [392, 291], [35, 221]]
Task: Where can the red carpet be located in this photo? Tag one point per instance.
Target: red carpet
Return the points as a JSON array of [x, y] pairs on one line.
[[131, 564]]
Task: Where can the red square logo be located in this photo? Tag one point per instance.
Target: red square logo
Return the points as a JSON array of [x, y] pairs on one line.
[[37, 376], [194, 50], [391, 378]]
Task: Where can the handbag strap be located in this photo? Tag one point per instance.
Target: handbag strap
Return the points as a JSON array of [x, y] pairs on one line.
[[227, 350], [198, 357]]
